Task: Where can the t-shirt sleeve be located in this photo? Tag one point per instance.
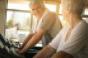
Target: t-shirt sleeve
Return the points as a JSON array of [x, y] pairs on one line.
[[76, 41], [56, 41], [47, 22]]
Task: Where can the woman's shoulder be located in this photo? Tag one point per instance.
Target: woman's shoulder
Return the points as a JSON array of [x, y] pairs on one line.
[[82, 27], [83, 24]]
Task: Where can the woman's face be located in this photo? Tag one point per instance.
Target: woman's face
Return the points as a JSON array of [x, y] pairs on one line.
[[66, 15]]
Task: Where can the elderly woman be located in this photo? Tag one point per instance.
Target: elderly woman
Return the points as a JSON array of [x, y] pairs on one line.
[[72, 40]]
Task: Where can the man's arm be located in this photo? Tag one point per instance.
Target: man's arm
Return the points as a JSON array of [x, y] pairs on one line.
[[26, 40], [62, 55], [35, 39], [46, 52]]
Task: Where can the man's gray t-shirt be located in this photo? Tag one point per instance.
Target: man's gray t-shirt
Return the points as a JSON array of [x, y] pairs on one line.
[[50, 24]]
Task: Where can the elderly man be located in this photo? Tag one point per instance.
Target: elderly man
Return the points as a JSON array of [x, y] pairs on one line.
[[72, 40], [48, 24]]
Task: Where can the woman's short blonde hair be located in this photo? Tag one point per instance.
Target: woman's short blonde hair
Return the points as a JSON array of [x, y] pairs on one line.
[[74, 6]]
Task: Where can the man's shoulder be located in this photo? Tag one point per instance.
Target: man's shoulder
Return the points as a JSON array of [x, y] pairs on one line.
[[52, 13]]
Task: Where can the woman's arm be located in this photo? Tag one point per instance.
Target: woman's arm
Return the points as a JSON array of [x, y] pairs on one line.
[[62, 55], [46, 52]]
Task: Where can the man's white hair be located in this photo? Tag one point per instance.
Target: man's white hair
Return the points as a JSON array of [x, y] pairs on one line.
[[40, 2], [36, 1], [76, 6]]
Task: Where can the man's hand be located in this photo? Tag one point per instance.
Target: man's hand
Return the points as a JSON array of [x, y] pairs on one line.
[[26, 41], [19, 51]]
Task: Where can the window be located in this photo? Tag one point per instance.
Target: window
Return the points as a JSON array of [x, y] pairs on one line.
[[18, 22], [51, 7], [85, 12], [18, 6], [85, 15]]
